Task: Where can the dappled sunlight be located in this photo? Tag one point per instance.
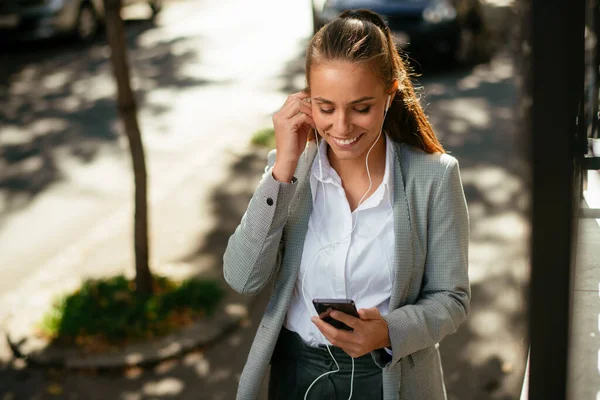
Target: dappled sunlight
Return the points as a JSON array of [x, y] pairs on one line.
[[497, 71], [498, 186], [500, 3], [204, 83], [235, 340], [133, 358], [163, 387], [200, 364], [219, 375], [487, 322], [130, 396], [236, 310], [474, 111], [505, 228], [488, 260], [63, 98], [96, 88]]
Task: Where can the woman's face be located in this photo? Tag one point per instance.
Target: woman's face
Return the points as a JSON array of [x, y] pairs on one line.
[[348, 104]]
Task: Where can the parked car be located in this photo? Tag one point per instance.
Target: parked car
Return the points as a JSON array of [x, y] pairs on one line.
[[39, 19], [444, 29]]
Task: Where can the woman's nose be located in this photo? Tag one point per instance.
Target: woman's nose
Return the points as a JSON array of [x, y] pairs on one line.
[[342, 123]]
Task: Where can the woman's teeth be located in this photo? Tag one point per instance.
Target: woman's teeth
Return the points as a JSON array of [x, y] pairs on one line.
[[346, 142]]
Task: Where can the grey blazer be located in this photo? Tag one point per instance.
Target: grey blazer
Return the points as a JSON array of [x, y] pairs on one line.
[[430, 293]]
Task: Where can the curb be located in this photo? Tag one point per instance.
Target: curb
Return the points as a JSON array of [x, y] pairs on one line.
[[227, 317]]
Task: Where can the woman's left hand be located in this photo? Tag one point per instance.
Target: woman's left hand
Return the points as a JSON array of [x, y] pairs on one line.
[[370, 332]]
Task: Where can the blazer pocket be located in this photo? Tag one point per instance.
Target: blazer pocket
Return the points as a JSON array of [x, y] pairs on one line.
[[418, 356]]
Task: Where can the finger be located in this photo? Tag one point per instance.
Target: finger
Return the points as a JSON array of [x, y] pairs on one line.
[[321, 325], [300, 95], [292, 99], [306, 108], [291, 109], [337, 337], [349, 320], [369, 313], [301, 119]]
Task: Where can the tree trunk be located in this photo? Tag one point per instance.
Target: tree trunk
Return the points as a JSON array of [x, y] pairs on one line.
[[115, 33]]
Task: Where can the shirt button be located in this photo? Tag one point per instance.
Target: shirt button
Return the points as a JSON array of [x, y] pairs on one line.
[[270, 201]]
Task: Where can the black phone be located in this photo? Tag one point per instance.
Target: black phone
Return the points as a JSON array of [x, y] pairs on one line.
[[325, 306]]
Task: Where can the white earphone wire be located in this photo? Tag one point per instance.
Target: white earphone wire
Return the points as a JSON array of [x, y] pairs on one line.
[[335, 243]]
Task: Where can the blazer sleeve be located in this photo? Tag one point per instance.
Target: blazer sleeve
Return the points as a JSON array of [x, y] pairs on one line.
[[251, 256], [443, 302]]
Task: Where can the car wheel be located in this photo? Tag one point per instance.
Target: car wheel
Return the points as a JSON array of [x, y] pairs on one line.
[[156, 6], [87, 23]]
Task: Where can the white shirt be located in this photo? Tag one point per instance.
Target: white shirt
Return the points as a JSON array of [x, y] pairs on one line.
[[357, 266]]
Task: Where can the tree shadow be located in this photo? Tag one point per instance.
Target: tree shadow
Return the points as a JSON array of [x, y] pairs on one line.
[[58, 104], [209, 372], [474, 114], [227, 204]]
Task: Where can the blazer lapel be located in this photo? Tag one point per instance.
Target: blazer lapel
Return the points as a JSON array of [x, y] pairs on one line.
[[404, 247], [299, 213]]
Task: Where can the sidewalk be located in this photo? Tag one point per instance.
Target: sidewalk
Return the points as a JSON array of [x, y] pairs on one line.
[[584, 362], [200, 171], [482, 361]]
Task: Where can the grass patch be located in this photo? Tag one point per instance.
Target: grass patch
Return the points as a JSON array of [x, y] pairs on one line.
[[106, 312], [264, 138]]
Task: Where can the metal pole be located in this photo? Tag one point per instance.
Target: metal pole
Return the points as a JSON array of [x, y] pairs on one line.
[[557, 82], [596, 67]]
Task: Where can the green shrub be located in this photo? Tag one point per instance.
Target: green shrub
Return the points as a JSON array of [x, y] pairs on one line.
[[264, 138], [111, 310]]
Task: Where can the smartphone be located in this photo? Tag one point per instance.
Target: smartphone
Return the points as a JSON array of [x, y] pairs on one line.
[[325, 306]]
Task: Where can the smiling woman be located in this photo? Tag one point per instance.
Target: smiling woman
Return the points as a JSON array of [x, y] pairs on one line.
[[358, 205]]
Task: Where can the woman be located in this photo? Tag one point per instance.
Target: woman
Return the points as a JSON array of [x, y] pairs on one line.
[[353, 213]]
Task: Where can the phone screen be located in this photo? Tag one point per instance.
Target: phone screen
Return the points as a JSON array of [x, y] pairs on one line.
[[325, 306]]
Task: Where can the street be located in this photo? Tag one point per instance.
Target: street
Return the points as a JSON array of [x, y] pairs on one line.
[[207, 75]]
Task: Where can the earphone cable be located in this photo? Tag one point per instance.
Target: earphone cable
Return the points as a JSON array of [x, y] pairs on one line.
[[335, 243]]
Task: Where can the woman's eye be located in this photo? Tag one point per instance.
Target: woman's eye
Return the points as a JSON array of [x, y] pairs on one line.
[[363, 110]]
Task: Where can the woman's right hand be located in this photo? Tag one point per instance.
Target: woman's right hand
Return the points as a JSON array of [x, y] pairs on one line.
[[292, 124]]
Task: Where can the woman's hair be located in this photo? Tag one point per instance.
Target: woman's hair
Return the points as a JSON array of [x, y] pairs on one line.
[[361, 36]]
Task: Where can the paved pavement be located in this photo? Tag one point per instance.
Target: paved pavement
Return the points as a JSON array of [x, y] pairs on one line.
[[584, 374], [209, 75], [206, 76]]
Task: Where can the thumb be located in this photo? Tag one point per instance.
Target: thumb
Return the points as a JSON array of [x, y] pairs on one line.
[[369, 313]]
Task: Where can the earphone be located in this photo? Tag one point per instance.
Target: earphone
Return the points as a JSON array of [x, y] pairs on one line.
[[387, 105]]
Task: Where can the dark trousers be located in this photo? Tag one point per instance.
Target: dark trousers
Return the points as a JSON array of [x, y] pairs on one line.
[[295, 365]]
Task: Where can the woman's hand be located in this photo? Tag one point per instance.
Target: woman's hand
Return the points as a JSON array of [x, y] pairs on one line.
[[370, 332], [292, 124]]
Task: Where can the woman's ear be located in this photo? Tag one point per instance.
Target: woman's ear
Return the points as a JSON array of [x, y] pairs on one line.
[[394, 89]]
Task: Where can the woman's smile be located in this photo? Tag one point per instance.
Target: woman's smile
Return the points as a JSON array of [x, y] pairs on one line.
[[348, 108], [346, 143]]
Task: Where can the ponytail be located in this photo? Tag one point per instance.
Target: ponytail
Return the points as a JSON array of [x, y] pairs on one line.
[[372, 41]]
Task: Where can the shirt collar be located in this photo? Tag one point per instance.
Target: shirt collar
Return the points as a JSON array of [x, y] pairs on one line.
[[324, 172], [329, 175]]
